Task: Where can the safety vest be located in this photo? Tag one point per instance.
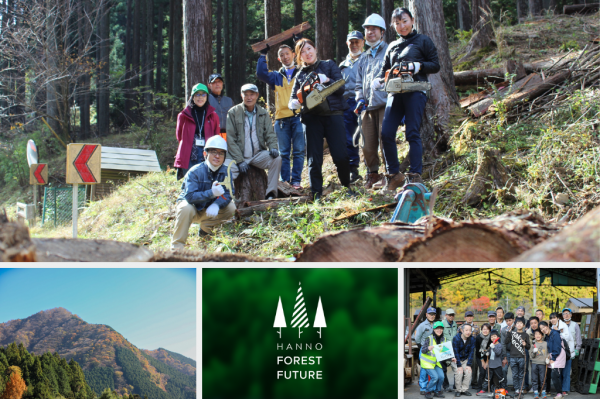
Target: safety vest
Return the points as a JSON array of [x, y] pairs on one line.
[[282, 97], [429, 361]]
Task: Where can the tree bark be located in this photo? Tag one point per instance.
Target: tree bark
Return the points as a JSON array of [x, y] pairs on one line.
[[103, 113], [239, 46], [83, 96], [297, 12], [482, 29], [159, 51], [324, 22], [197, 22], [227, 50], [581, 8], [178, 52], [535, 7], [135, 59], [579, 242], [522, 8], [464, 15], [367, 8], [250, 186], [387, 8], [149, 81], [272, 28], [342, 29], [435, 130], [143, 50], [129, 49], [170, 50], [219, 48]]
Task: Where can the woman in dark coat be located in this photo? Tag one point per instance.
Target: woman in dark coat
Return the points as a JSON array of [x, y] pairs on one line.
[[324, 121], [421, 55], [195, 125]]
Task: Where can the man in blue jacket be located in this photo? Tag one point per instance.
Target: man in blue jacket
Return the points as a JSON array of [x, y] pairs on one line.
[[463, 345], [203, 199]]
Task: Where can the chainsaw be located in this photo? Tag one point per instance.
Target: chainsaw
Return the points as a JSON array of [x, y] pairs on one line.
[[399, 79], [312, 92]]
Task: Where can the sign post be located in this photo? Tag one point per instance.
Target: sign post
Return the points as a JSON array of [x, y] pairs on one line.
[[83, 167], [38, 173]]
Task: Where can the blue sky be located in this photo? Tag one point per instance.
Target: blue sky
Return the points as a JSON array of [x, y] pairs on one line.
[[152, 308]]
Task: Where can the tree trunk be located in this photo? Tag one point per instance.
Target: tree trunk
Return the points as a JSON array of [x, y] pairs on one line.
[[324, 22], [464, 15], [135, 59], [297, 12], [239, 46], [170, 50], [219, 48], [159, 51], [83, 95], [129, 49], [272, 28], [522, 8], [250, 186], [103, 114], [387, 8], [367, 8], [143, 51], [178, 52], [553, 7], [482, 29], [149, 53], [342, 29], [435, 133], [197, 22], [227, 50], [581, 8], [535, 7], [579, 242]]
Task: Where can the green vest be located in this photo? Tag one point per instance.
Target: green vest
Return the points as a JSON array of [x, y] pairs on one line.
[[429, 361]]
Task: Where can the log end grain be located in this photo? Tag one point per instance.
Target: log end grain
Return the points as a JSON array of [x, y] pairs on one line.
[[15, 243], [80, 250]]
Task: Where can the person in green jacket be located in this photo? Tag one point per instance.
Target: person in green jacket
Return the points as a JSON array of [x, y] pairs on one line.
[[251, 139]]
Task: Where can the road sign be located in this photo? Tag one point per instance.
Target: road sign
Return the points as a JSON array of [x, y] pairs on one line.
[[38, 173], [83, 163], [32, 153]]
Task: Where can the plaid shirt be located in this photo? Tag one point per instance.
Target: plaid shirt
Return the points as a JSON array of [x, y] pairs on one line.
[[463, 351]]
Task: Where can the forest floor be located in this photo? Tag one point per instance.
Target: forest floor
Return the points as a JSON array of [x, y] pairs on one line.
[[556, 152]]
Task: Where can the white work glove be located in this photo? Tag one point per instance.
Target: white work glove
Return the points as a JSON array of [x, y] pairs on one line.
[[535, 350], [323, 78], [217, 189], [377, 84], [417, 67], [212, 211], [547, 361], [492, 346], [294, 104]]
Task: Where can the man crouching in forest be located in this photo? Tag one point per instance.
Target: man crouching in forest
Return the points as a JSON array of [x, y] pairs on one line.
[[203, 200]]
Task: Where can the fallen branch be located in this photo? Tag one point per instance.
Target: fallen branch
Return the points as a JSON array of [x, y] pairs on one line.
[[260, 206], [353, 214], [581, 8]]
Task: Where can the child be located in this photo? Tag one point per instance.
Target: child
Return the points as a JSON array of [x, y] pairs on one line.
[[517, 343], [495, 363], [539, 358]]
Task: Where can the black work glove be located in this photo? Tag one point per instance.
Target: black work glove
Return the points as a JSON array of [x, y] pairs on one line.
[[243, 167], [274, 153], [297, 37], [265, 51]]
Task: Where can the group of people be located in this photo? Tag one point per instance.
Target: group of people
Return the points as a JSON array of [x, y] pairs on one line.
[[215, 136], [540, 353]]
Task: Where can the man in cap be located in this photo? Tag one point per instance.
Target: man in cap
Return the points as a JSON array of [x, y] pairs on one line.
[[355, 42], [289, 130], [575, 332], [251, 139], [424, 330], [221, 103], [492, 320], [371, 102], [203, 199], [469, 315], [450, 331]]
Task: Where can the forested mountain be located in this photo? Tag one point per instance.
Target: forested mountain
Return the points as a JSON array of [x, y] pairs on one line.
[[108, 360]]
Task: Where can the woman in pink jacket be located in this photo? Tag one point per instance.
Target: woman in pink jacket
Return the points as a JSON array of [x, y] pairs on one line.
[[195, 125]]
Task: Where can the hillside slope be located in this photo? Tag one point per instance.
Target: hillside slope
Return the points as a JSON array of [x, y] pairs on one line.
[[107, 358]]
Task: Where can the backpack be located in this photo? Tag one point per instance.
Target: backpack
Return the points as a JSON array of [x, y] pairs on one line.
[[566, 348]]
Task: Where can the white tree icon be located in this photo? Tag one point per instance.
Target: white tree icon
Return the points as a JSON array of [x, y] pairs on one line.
[[279, 318], [300, 318]]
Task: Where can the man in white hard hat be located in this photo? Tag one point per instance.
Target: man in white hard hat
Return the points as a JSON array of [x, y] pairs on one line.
[[203, 198], [252, 140], [370, 101]]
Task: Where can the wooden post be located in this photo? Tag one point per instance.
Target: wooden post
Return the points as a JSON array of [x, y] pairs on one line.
[[35, 195], [75, 190]]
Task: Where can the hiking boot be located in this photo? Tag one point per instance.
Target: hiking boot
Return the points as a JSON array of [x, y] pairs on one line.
[[316, 196], [438, 394], [351, 193], [428, 395], [202, 233], [354, 176], [373, 178], [414, 178], [467, 393], [392, 182]]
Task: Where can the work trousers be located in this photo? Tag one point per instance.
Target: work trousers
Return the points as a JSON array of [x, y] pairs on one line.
[[436, 376], [566, 378], [351, 123], [408, 107], [187, 214], [517, 365], [372, 122], [262, 160], [290, 137], [505, 369], [332, 129], [538, 373], [527, 366], [498, 380], [446, 382], [462, 377], [575, 374]]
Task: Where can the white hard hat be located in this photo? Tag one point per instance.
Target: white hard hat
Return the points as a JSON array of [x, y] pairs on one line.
[[375, 20], [216, 142]]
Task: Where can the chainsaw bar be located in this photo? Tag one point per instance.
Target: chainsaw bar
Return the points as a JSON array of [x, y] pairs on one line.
[[398, 85], [316, 97]]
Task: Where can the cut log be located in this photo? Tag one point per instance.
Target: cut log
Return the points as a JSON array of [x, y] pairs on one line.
[[496, 240], [581, 8], [273, 40], [80, 250], [490, 173], [285, 189], [579, 242], [250, 186], [481, 107], [476, 97], [260, 206], [186, 255], [466, 78], [376, 244], [15, 243]]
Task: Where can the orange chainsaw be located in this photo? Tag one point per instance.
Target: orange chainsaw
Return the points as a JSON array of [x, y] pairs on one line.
[[399, 79], [312, 92]]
